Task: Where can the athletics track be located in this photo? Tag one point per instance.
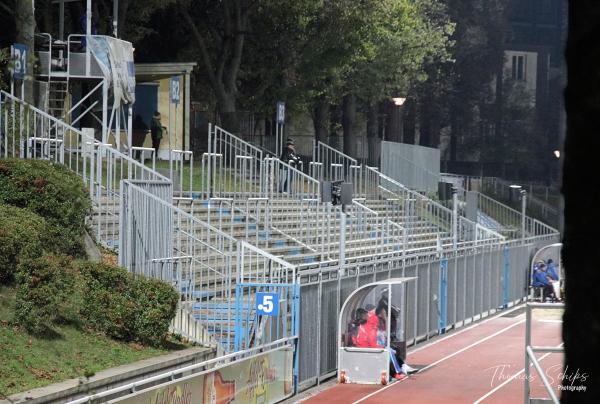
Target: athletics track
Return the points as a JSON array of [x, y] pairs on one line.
[[481, 363]]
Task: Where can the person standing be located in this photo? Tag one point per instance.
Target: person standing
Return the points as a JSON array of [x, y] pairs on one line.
[[289, 157], [156, 131]]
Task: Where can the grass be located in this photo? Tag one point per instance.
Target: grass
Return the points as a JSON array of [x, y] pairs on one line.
[[28, 362]]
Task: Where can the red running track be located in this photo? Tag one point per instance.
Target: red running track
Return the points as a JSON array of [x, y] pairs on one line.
[[483, 363]]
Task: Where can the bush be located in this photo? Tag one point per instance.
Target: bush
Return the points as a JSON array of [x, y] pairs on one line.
[[53, 192], [46, 293], [21, 237], [124, 306]]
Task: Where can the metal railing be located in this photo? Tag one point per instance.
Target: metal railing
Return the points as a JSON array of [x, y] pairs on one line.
[[163, 242], [238, 167], [281, 180], [532, 350], [27, 132], [176, 165], [336, 165]]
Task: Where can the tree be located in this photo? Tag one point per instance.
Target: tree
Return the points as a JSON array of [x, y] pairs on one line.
[[219, 31], [25, 26]]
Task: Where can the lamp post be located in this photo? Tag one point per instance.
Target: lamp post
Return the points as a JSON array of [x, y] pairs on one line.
[[523, 195], [396, 123]]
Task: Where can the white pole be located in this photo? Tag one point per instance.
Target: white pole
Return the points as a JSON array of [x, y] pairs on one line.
[[129, 129], [88, 32], [104, 111], [342, 259], [454, 218]]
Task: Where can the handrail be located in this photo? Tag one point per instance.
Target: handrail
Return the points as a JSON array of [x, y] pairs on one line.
[[530, 352], [218, 363], [335, 151]]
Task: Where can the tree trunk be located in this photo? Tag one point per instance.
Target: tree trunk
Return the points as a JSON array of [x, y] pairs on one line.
[[123, 7], [25, 26], [454, 132], [409, 120], [320, 120], [581, 255], [372, 133], [349, 117], [227, 112]]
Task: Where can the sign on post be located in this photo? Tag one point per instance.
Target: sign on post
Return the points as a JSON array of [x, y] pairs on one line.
[[267, 304], [19, 57], [175, 90], [280, 112]]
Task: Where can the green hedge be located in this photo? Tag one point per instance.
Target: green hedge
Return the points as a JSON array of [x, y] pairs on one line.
[[22, 235], [102, 297], [53, 192], [47, 292], [124, 306]]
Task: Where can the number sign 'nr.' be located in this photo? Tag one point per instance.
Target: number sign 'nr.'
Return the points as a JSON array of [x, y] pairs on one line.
[[267, 304], [19, 56], [281, 112], [175, 90]]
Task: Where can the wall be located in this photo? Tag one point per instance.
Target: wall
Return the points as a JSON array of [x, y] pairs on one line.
[[416, 167]]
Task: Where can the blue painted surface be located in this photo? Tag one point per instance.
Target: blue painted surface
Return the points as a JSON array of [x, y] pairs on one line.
[[443, 295], [280, 243], [239, 219], [309, 260], [295, 251]]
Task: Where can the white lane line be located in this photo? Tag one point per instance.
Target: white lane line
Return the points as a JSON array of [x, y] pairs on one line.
[[465, 329], [512, 377], [446, 358]]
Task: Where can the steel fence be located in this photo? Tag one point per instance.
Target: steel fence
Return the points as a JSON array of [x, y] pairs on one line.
[[27, 132], [237, 162], [336, 165], [474, 282], [281, 180]]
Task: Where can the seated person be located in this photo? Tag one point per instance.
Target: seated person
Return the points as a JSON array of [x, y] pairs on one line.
[[398, 369], [541, 279], [554, 278], [360, 319]]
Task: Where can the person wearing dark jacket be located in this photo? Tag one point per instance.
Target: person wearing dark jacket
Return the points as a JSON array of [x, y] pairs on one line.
[[289, 157], [156, 131]]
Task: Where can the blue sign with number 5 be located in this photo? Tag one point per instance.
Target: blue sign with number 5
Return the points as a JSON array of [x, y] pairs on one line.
[[267, 304]]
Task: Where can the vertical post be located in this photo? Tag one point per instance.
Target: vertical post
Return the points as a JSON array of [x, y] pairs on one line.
[[523, 211], [115, 18], [61, 19], [88, 32], [129, 130], [342, 258], [442, 294], [527, 343], [454, 217], [104, 111]]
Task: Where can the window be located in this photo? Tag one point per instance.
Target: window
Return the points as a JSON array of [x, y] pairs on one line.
[[518, 67]]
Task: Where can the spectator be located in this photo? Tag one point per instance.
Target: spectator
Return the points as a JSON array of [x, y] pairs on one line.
[[289, 157], [364, 334], [398, 369], [156, 131], [541, 279], [554, 278]]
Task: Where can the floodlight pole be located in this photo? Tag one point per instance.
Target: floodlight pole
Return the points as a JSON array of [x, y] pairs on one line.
[[523, 211]]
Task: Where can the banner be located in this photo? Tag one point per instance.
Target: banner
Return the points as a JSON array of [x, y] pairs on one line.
[[115, 58], [265, 378]]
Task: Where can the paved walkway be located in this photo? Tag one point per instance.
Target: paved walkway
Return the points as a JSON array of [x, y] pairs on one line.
[[483, 363]]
